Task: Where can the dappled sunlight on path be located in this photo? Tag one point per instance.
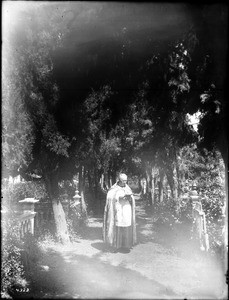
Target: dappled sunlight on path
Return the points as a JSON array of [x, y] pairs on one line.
[[86, 269]]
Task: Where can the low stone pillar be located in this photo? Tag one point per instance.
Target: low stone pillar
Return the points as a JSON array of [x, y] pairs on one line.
[[28, 204], [27, 209], [77, 198], [144, 185], [169, 192], [199, 219]]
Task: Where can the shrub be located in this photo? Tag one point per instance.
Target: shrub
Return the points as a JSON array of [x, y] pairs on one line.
[[76, 218], [166, 211], [32, 250], [208, 170], [18, 255], [46, 240], [12, 269], [12, 193], [212, 186], [73, 229], [66, 187], [47, 227]]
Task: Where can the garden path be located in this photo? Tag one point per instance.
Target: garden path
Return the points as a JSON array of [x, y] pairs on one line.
[[151, 270]]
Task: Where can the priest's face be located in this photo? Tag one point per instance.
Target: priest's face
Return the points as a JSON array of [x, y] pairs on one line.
[[122, 183]]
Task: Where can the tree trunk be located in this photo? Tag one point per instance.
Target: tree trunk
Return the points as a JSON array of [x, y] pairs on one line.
[[60, 221], [96, 185], [140, 186], [148, 186], [81, 191], [148, 183], [152, 187], [106, 181], [175, 180], [89, 182], [161, 186], [113, 177], [109, 178], [102, 181], [143, 186], [58, 211], [224, 153], [169, 176], [178, 180]]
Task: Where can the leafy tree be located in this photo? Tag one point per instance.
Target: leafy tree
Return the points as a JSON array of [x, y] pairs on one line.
[[208, 80], [158, 125], [205, 43], [17, 126], [109, 130], [29, 82], [96, 149]]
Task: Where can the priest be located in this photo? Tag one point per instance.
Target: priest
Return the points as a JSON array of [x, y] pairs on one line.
[[119, 226]]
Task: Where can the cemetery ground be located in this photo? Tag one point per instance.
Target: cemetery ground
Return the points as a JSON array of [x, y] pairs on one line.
[[156, 267]]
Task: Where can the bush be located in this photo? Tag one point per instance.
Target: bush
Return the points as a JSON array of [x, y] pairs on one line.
[[47, 240], [212, 185], [182, 223], [73, 229], [12, 269], [66, 187], [12, 193], [166, 211], [47, 227], [32, 249], [213, 211], [75, 220], [17, 254], [19, 259]]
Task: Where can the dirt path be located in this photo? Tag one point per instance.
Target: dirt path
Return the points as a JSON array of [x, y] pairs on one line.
[[150, 270]]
